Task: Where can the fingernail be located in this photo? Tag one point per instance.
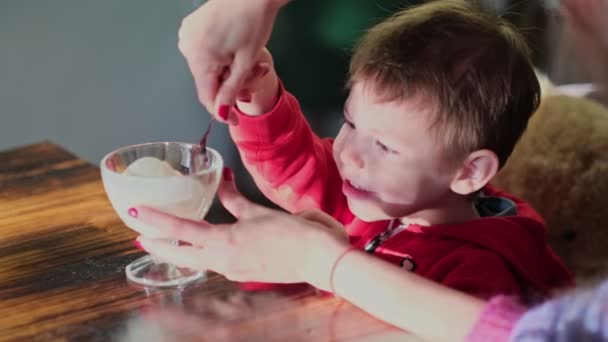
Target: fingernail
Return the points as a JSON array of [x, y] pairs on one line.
[[138, 245], [223, 112], [227, 174], [133, 212]]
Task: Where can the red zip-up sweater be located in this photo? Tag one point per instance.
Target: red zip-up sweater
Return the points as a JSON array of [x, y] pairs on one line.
[[492, 255]]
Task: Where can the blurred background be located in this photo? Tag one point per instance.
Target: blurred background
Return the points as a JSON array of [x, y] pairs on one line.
[[92, 76]]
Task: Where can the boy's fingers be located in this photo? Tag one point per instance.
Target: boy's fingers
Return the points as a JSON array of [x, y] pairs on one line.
[[259, 70], [244, 95], [326, 221], [257, 73]]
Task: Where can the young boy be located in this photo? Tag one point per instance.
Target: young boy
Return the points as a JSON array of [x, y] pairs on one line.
[[439, 95]]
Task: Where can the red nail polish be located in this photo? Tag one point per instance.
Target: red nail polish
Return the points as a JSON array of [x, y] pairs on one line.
[[223, 112], [138, 245], [227, 174], [133, 212]]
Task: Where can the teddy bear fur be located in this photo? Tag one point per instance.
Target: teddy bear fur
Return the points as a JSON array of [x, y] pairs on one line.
[[560, 167]]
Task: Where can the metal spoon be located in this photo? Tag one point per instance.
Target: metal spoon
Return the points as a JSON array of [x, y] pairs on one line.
[[202, 148]]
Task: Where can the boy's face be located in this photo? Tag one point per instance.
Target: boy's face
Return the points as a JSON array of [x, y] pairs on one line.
[[391, 164]]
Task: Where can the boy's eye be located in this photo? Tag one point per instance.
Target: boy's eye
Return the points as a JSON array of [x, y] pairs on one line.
[[348, 123], [384, 148]]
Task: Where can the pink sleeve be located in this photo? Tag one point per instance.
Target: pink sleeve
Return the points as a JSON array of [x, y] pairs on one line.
[[291, 165], [497, 320]]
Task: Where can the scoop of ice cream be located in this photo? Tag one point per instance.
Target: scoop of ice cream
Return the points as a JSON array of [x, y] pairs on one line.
[[150, 167]]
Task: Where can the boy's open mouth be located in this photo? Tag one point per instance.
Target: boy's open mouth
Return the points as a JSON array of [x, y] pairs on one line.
[[354, 190]]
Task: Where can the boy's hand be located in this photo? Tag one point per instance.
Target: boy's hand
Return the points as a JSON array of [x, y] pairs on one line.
[[260, 90]]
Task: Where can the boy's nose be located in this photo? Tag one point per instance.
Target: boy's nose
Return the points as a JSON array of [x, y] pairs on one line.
[[350, 156]]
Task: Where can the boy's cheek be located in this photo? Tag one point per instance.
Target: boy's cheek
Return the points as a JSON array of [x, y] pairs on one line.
[[337, 149]]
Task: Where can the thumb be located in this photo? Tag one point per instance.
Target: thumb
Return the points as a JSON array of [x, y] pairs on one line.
[[229, 89], [326, 221], [231, 198]]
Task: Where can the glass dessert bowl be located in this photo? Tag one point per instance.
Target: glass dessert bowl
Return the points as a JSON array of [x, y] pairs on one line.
[[177, 178]]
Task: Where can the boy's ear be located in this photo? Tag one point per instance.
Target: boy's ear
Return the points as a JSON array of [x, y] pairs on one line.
[[475, 172]]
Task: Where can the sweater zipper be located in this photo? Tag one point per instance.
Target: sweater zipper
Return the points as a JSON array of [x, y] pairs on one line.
[[374, 243]]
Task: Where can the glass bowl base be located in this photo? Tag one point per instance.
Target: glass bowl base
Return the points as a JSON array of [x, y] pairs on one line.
[[148, 272]]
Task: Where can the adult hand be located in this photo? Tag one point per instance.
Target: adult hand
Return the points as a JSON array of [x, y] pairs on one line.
[[264, 245], [221, 42]]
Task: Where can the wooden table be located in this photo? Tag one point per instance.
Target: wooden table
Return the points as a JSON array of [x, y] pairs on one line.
[[62, 256]]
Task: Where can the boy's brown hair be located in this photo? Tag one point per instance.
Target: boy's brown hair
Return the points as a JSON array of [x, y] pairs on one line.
[[475, 69]]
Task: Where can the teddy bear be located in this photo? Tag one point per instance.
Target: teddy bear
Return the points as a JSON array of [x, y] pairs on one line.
[[560, 167]]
